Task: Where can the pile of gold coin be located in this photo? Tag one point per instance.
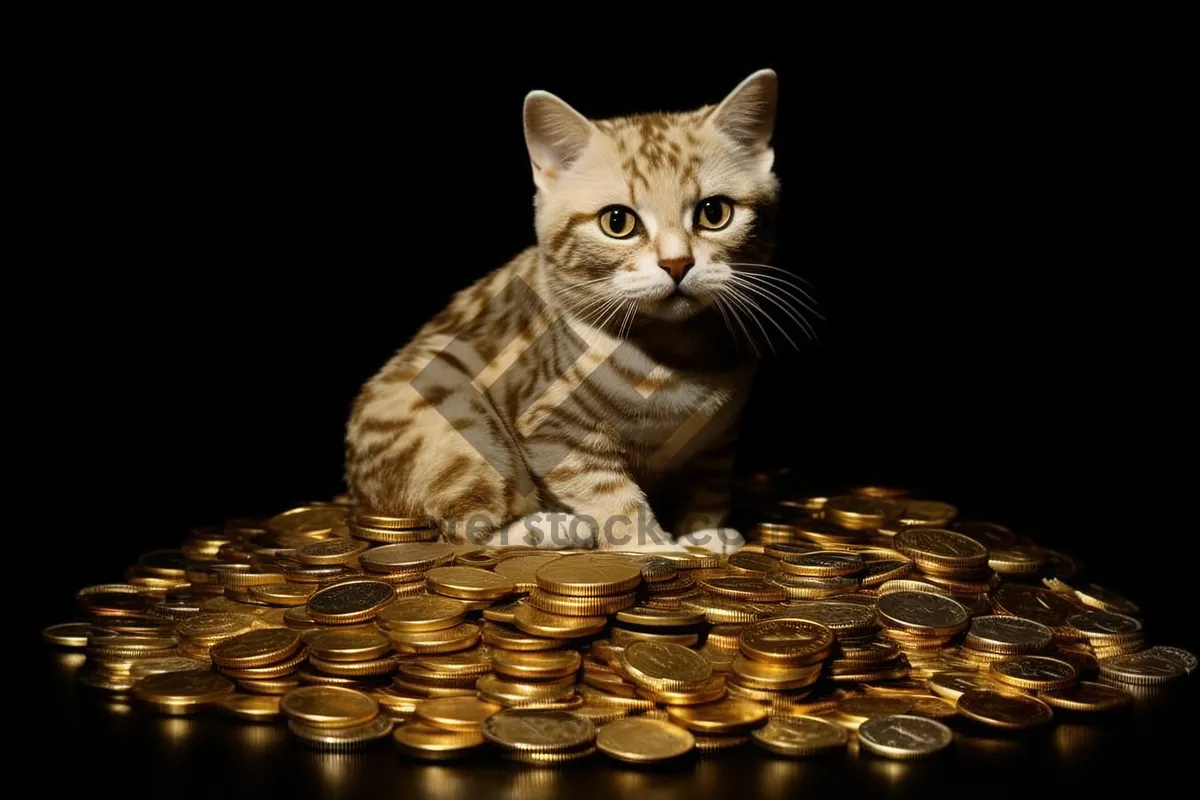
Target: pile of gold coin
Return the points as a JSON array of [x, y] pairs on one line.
[[867, 620]]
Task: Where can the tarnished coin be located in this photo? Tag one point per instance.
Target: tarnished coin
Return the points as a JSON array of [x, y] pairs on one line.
[[409, 557], [752, 590], [256, 648], [843, 618], [468, 583], [786, 641], [922, 612], [824, 564], [1176, 655], [331, 551], [1086, 696], [1033, 672], [729, 716], [1095, 624], [1004, 710], [427, 742], [539, 731], [590, 575], [799, 736], [903, 736], [1141, 669], [940, 547], [655, 665], [329, 706], [422, 613], [456, 713], [350, 602], [1003, 634], [1031, 602], [638, 740], [349, 644], [182, 692]]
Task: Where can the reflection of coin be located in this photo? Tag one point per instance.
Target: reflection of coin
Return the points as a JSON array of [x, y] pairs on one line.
[[800, 736], [641, 740], [1013, 711], [904, 737]]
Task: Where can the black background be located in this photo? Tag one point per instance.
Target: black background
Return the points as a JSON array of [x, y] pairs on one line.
[[231, 233]]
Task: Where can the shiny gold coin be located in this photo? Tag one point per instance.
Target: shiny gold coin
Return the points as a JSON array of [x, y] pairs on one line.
[[590, 575], [1141, 669], [1095, 596], [252, 707], [283, 594], [847, 620], [746, 589], [746, 563], [642, 741], [145, 667], [536, 665], [786, 641], [1004, 634], [503, 612], [309, 522], [920, 612], [509, 693], [538, 731], [926, 513], [856, 710], [418, 556], [273, 686], [426, 742], [940, 547], [933, 707], [468, 583], [455, 713], [772, 676], [824, 564], [581, 606], [870, 651], [664, 666], [880, 492], [904, 736], [473, 662], [212, 628], [708, 691], [1033, 673], [422, 613], [1176, 655], [800, 587], [1004, 710], [356, 669], [350, 602], [1086, 696], [1014, 562], [549, 759], [600, 713], [623, 637], [1032, 602], [521, 569], [721, 610], [329, 706], [331, 551], [557, 626], [656, 570], [857, 513], [443, 640], [799, 736], [633, 704], [505, 637], [385, 536], [729, 716], [371, 520], [349, 644], [396, 703], [660, 617], [131, 647], [714, 744], [340, 739], [182, 692], [1104, 627], [256, 648]]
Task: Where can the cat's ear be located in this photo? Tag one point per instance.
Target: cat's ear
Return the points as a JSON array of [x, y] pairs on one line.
[[555, 134], [747, 115]]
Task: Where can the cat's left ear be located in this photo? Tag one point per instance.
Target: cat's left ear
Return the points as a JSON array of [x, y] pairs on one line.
[[747, 115], [555, 134]]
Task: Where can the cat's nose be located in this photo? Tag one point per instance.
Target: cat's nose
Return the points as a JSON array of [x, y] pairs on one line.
[[677, 267]]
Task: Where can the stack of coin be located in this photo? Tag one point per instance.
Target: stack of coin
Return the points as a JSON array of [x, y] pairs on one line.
[[380, 529], [920, 622], [993, 637], [951, 561], [779, 659], [334, 718], [405, 565], [264, 660]]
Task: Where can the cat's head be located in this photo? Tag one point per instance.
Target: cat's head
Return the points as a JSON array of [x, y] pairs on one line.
[[653, 214]]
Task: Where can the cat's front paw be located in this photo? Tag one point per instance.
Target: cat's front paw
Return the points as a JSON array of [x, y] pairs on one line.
[[722, 541]]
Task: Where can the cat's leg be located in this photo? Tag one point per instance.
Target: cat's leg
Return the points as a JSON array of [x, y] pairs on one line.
[[705, 486]]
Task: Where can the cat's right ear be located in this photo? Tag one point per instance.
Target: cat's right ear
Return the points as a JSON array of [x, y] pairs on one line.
[[555, 134]]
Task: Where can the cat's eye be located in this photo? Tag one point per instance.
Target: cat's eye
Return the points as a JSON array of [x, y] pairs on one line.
[[714, 213], [618, 222]]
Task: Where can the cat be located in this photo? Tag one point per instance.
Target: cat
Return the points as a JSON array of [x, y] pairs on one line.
[[550, 399]]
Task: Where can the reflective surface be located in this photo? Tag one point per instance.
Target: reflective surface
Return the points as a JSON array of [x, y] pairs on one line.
[[111, 743]]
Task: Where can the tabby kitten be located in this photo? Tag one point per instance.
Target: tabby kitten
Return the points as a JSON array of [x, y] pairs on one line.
[[598, 369]]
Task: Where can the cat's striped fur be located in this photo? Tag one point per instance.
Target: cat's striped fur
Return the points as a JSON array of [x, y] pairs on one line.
[[581, 377]]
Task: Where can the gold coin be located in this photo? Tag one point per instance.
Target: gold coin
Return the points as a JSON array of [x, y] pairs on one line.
[[847, 620], [729, 716], [903, 736], [600, 713], [880, 492], [347, 738], [393, 523], [1104, 627], [1014, 562], [653, 665], [799, 736], [857, 710], [933, 707], [505, 637], [557, 626], [786, 641], [329, 706], [1176, 655], [182, 692], [455, 713], [747, 563], [747, 589], [719, 610], [709, 691], [356, 669], [1142, 669], [1033, 672], [643, 741], [443, 640], [1095, 596], [548, 759], [633, 703], [713, 744], [350, 602], [429, 743], [468, 583], [940, 547], [857, 513], [385, 536], [581, 606], [824, 564], [656, 570], [623, 637], [1087, 696], [590, 575], [395, 703], [476, 661], [536, 665], [1004, 710], [1032, 602], [145, 667], [256, 648], [538, 731], [315, 522], [212, 628], [521, 569], [252, 707], [349, 644], [800, 587], [513, 692], [422, 613], [772, 676], [273, 686], [1004, 634], [922, 612], [660, 617], [418, 556], [871, 651], [503, 612], [130, 647], [930, 513], [331, 551], [282, 594]]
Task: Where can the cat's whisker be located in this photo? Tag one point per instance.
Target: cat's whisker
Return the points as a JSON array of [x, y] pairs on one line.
[[749, 306], [791, 313], [732, 312], [769, 317], [787, 272], [778, 284]]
